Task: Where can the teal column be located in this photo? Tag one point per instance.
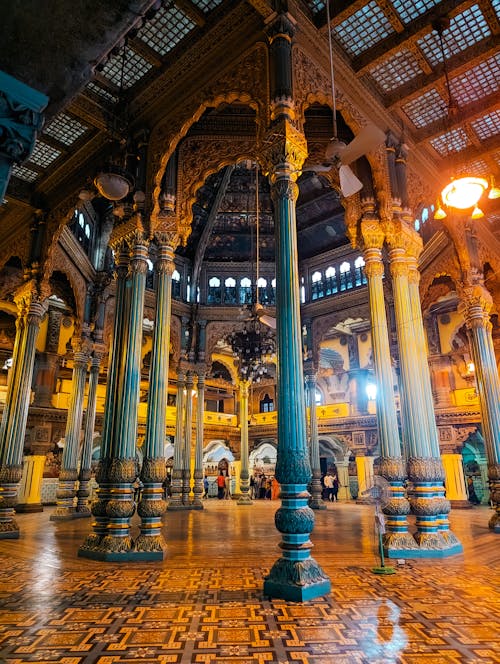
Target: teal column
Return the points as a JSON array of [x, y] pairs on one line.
[[175, 502], [296, 575], [397, 539], [20, 121], [123, 465], [82, 495], [152, 505], [13, 428], [66, 491], [425, 469], [198, 451], [316, 501], [188, 429], [244, 498], [452, 545], [477, 303], [91, 545]]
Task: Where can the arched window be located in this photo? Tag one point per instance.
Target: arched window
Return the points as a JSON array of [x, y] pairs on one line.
[[82, 229], [345, 276], [245, 291], [214, 291], [262, 295], [150, 274], [317, 290], [359, 273], [266, 405], [176, 285], [331, 280], [230, 291], [273, 292]]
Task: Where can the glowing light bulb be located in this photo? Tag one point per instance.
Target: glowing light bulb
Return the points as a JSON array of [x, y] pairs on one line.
[[477, 213], [464, 193], [440, 213]]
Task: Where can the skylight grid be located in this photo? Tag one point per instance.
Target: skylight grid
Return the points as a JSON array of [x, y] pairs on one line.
[[134, 68], [396, 71], [427, 108], [478, 82], [43, 155], [454, 140], [363, 29], [496, 7], [168, 28], [65, 129], [206, 5], [101, 92], [487, 126], [316, 6], [409, 11], [466, 29], [24, 173], [478, 168]]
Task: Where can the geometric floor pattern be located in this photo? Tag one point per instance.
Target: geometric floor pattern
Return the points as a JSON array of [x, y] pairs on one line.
[[57, 608]]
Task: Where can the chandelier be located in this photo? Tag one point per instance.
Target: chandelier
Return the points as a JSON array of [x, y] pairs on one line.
[[253, 347], [465, 191]]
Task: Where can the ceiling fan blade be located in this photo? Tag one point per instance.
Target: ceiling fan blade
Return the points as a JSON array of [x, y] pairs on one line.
[[369, 138], [260, 312], [319, 168], [349, 183]]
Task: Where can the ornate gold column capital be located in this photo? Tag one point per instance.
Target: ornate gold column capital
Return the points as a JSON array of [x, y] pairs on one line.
[[476, 304], [30, 300], [372, 234], [127, 231], [139, 253], [284, 151], [244, 388]]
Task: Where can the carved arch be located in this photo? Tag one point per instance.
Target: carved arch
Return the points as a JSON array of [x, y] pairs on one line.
[[242, 82], [60, 262]]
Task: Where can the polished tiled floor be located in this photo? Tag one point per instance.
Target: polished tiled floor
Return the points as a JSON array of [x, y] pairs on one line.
[[204, 602]]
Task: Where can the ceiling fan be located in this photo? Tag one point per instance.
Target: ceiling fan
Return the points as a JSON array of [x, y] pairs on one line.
[[339, 154]]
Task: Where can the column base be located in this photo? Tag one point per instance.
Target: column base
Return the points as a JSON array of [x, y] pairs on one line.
[[244, 499], [29, 508], [9, 530], [317, 504], [460, 505], [296, 581], [494, 523], [426, 553], [67, 515], [121, 557], [82, 514], [397, 545], [177, 508], [196, 506]]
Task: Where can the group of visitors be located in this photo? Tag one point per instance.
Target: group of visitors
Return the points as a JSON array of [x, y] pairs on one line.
[[264, 488], [330, 483]]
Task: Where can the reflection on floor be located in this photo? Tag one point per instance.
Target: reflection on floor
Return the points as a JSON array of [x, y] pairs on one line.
[[204, 603]]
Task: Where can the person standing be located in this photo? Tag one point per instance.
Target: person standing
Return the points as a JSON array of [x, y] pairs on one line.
[[328, 481], [205, 487], [221, 485], [335, 488]]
